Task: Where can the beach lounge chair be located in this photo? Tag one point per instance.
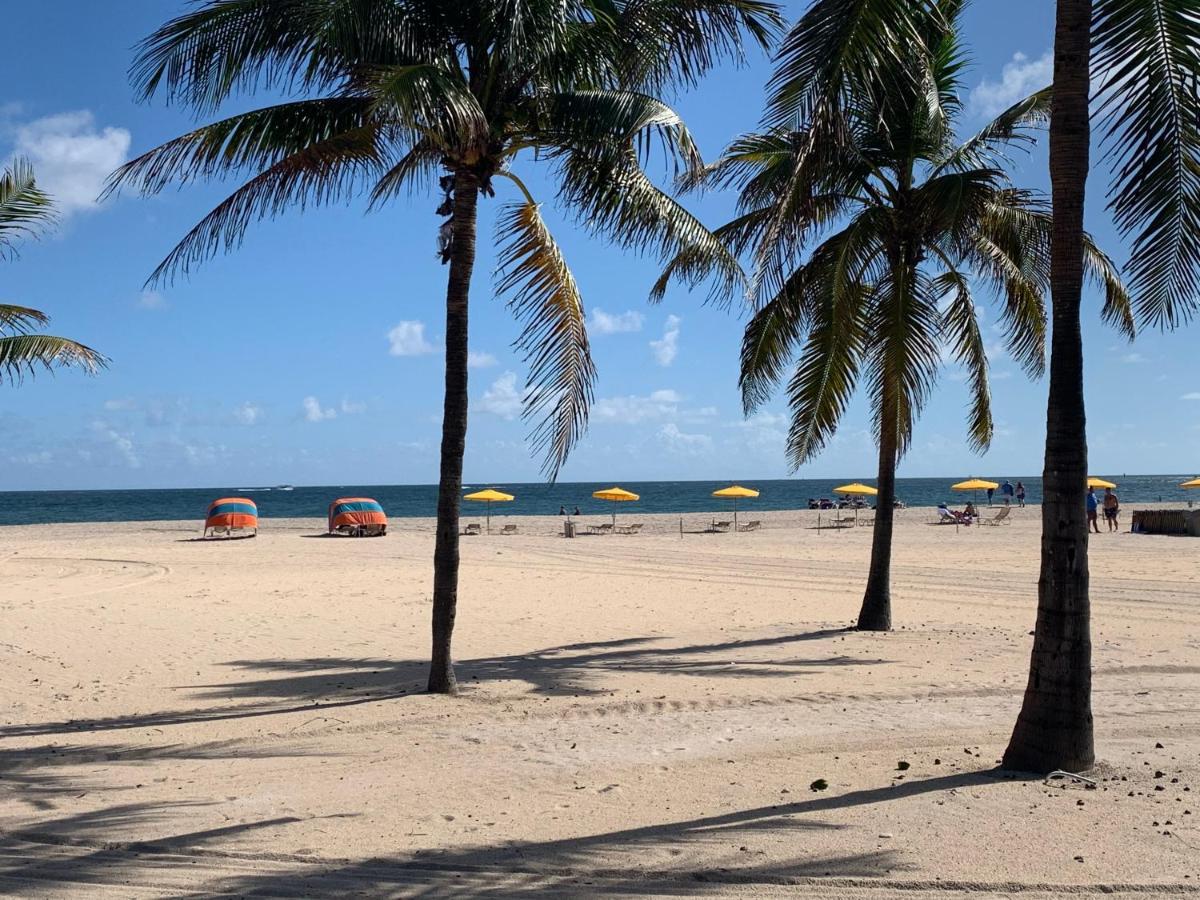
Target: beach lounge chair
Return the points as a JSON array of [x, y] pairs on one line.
[[721, 526], [752, 525], [999, 518], [632, 528], [509, 529], [945, 517], [606, 528], [473, 528]]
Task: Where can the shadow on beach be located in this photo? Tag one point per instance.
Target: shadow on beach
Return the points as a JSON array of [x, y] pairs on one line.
[[73, 850], [322, 683]]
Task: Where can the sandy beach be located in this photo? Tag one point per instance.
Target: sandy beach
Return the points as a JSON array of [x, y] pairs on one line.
[[655, 715]]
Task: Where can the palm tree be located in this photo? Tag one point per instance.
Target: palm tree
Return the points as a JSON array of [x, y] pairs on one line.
[[862, 160], [393, 93], [1145, 55], [24, 210]]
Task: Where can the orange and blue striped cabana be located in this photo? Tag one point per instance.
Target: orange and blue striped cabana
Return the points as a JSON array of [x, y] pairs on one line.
[[358, 516], [229, 514]]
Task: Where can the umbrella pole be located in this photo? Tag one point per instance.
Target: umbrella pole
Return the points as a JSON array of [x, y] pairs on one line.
[[735, 515], [489, 517]]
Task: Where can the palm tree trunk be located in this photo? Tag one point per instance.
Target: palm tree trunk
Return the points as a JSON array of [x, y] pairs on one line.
[[454, 433], [876, 611], [1054, 729]]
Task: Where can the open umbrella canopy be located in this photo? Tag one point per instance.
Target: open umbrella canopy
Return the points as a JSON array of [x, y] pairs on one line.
[[616, 494], [490, 495], [1099, 483], [1194, 483], [974, 484], [865, 489], [735, 490]]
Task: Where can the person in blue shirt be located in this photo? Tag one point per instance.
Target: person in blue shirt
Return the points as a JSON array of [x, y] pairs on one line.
[[1007, 490], [1092, 504]]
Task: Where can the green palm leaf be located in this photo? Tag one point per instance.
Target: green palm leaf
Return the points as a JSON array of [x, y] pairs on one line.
[[546, 299], [960, 325], [1147, 56], [24, 354], [24, 208]]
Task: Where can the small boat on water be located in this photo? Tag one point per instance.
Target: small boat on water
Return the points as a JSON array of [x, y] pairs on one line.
[[282, 487]]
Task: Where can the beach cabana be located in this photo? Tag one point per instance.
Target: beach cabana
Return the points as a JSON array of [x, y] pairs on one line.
[[1094, 482], [615, 495], [856, 489], [230, 514], [490, 496], [735, 492], [975, 485], [358, 516]]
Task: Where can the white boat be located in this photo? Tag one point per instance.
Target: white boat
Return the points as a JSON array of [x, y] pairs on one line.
[[283, 487]]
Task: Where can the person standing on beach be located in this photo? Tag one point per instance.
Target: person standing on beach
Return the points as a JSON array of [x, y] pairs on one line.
[[1112, 505], [991, 491], [1021, 494], [1006, 490], [1092, 504]]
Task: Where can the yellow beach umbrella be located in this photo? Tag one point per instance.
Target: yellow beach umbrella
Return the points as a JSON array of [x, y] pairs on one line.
[[1094, 482], [733, 492], [490, 496], [1194, 483], [615, 495], [856, 488], [975, 485]]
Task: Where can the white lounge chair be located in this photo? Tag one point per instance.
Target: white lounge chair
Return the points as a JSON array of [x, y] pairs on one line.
[[473, 528], [509, 529]]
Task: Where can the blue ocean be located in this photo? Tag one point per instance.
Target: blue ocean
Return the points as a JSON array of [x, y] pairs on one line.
[[417, 500]]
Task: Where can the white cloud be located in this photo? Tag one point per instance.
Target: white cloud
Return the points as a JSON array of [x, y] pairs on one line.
[[682, 442], [1133, 358], [600, 322], [151, 300], [314, 412], [1194, 395], [477, 359], [666, 349], [661, 404], [122, 444], [502, 398], [408, 339], [71, 158], [248, 413], [1020, 77], [353, 407]]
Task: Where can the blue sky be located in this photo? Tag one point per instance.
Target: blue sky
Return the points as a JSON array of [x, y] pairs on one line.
[[312, 354]]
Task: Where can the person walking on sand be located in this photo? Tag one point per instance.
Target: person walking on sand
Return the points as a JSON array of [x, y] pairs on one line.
[[1112, 506], [562, 510], [1006, 490], [1021, 494], [991, 491], [1093, 503]]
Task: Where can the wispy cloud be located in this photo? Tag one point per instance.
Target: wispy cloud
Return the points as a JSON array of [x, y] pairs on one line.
[[600, 322], [1133, 358], [1019, 78], [1194, 395], [682, 442], [667, 348], [248, 413], [72, 157], [477, 359], [408, 339], [352, 407], [502, 398], [314, 412], [630, 409], [151, 300]]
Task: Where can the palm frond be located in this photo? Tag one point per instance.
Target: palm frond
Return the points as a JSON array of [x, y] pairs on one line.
[[546, 299], [1118, 305], [960, 326], [770, 341], [1147, 56], [24, 207], [21, 319], [24, 354], [676, 42], [1012, 128], [836, 44]]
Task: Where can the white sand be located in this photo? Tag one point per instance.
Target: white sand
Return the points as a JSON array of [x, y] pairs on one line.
[[640, 716]]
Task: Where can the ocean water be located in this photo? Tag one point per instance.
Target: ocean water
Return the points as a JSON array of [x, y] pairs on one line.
[[416, 500]]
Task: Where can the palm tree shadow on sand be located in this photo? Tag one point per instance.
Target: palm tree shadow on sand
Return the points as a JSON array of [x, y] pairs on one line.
[[324, 683]]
